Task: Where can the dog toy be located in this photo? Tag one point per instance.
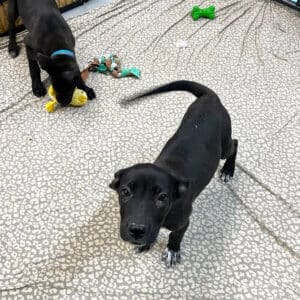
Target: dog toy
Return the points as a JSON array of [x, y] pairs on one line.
[[110, 64], [208, 12], [79, 99]]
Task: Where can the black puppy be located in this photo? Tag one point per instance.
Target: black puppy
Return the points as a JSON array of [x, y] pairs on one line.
[[161, 194], [50, 44]]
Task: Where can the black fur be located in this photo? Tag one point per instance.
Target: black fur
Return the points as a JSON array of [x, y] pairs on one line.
[[47, 32], [161, 194]]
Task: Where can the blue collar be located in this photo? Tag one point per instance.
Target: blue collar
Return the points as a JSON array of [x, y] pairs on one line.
[[63, 52]]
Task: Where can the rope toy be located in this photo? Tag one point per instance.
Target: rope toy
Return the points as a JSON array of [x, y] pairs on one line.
[[79, 99], [110, 64], [208, 12]]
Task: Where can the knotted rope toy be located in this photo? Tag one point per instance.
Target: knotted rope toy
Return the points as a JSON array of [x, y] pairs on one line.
[[208, 12], [79, 99], [110, 64]]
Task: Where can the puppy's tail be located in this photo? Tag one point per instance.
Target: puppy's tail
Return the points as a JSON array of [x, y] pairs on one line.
[[195, 88]]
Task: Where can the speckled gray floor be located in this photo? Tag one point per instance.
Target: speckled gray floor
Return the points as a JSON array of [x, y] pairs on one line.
[[58, 218]]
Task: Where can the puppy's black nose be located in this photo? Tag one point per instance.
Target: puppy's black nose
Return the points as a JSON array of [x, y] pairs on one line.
[[137, 230]]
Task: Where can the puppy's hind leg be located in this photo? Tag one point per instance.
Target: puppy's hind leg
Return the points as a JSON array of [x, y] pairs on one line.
[[228, 169], [13, 48]]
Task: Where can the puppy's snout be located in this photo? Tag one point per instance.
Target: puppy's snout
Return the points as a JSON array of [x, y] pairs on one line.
[[137, 230], [64, 98], [64, 101]]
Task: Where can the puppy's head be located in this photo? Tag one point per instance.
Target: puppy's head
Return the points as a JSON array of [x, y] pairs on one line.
[[146, 195], [64, 75]]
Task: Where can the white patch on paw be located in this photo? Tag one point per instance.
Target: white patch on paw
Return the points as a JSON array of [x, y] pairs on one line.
[[225, 177], [170, 257]]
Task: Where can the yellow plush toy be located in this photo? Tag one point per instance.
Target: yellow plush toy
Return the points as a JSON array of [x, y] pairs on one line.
[[79, 99]]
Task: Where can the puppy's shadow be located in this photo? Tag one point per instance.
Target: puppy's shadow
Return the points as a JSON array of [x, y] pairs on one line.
[[213, 224], [95, 240]]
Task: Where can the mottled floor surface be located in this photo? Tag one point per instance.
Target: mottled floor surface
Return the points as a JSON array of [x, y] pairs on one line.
[[58, 218], [91, 4]]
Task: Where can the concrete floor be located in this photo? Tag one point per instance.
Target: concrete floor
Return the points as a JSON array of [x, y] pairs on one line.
[[91, 4]]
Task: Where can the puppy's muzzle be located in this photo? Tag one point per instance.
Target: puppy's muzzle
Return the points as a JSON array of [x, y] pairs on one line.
[[137, 231]]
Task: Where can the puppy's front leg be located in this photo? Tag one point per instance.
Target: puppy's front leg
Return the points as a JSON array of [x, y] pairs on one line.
[[89, 91], [38, 88], [171, 254]]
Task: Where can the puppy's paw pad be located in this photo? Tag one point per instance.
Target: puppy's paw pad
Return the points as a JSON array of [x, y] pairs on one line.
[[171, 258], [140, 249]]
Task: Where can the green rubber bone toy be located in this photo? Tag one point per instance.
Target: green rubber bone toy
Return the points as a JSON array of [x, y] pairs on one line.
[[208, 12]]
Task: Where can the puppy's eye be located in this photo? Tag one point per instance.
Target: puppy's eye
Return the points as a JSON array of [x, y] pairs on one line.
[[125, 192], [162, 197]]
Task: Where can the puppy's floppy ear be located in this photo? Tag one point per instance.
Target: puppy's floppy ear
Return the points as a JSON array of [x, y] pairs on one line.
[[44, 61], [116, 181]]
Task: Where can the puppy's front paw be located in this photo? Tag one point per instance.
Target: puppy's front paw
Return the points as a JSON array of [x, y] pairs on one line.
[[13, 50], [226, 174], [225, 177], [90, 93], [170, 257], [140, 249], [38, 90]]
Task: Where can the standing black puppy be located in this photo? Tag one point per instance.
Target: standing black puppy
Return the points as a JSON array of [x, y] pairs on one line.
[[161, 194], [50, 44]]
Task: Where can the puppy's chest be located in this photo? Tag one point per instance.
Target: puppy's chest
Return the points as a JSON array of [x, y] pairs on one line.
[[177, 216]]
